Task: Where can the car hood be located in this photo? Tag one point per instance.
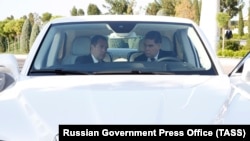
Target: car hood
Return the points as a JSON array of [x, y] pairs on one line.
[[46, 102]]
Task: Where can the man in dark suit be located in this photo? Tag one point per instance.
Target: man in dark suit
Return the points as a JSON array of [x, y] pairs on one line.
[[228, 34], [98, 50], [152, 48]]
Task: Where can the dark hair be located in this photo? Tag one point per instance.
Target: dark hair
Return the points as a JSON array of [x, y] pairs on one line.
[[153, 35], [95, 39]]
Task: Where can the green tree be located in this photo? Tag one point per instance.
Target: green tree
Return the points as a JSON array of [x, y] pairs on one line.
[[46, 17], [248, 40], [31, 18], [241, 22], [18, 29], [76, 12], [120, 6], [18, 26], [34, 32], [37, 19], [230, 7], [11, 17], [54, 17], [3, 44], [184, 9], [80, 12], [162, 12], [4, 35], [9, 29], [12, 30], [222, 20], [197, 11], [153, 8], [168, 6], [131, 5], [200, 4], [93, 10], [9, 33], [73, 11], [162, 7], [24, 17], [25, 37], [2, 24]]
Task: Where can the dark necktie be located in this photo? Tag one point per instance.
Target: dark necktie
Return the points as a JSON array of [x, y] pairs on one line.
[[152, 59], [100, 61]]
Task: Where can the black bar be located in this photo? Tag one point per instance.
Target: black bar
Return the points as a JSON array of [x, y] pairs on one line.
[[219, 132]]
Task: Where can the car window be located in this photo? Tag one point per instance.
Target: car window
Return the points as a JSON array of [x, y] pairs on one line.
[[63, 44]]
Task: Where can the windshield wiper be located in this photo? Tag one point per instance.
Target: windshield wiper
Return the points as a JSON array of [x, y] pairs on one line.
[[59, 72], [118, 72], [133, 72]]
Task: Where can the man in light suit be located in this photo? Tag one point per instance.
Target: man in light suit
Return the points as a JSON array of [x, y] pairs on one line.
[[152, 48], [98, 50]]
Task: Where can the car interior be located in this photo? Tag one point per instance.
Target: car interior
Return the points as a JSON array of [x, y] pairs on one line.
[[66, 42]]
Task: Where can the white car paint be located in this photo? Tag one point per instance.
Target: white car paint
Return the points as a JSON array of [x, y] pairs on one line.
[[33, 106], [82, 100]]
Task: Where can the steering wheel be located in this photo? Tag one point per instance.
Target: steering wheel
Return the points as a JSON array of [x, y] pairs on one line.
[[173, 59]]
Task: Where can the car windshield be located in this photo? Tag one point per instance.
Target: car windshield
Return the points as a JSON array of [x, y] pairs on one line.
[[128, 48]]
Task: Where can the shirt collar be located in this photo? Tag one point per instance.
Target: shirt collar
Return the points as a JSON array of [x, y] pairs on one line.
[[94, 59], [156, 57]]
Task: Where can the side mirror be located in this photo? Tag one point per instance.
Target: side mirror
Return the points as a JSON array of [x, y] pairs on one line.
[[8, 64], [9, 70], [2, 81], [246, 71], [5, 81]]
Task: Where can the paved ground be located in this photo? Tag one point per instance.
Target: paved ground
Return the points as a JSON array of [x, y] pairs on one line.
[[227, 63], [20, 60]]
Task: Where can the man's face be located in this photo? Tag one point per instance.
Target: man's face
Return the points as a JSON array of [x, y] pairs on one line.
[[151, 48], [99, 50]]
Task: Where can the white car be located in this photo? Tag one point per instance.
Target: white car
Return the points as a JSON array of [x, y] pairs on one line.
[[52, 89]]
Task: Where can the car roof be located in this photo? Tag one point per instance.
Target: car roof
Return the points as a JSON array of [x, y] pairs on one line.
[[136, 18]]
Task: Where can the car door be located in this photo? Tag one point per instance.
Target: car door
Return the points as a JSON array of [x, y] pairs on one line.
[[240, 75]]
